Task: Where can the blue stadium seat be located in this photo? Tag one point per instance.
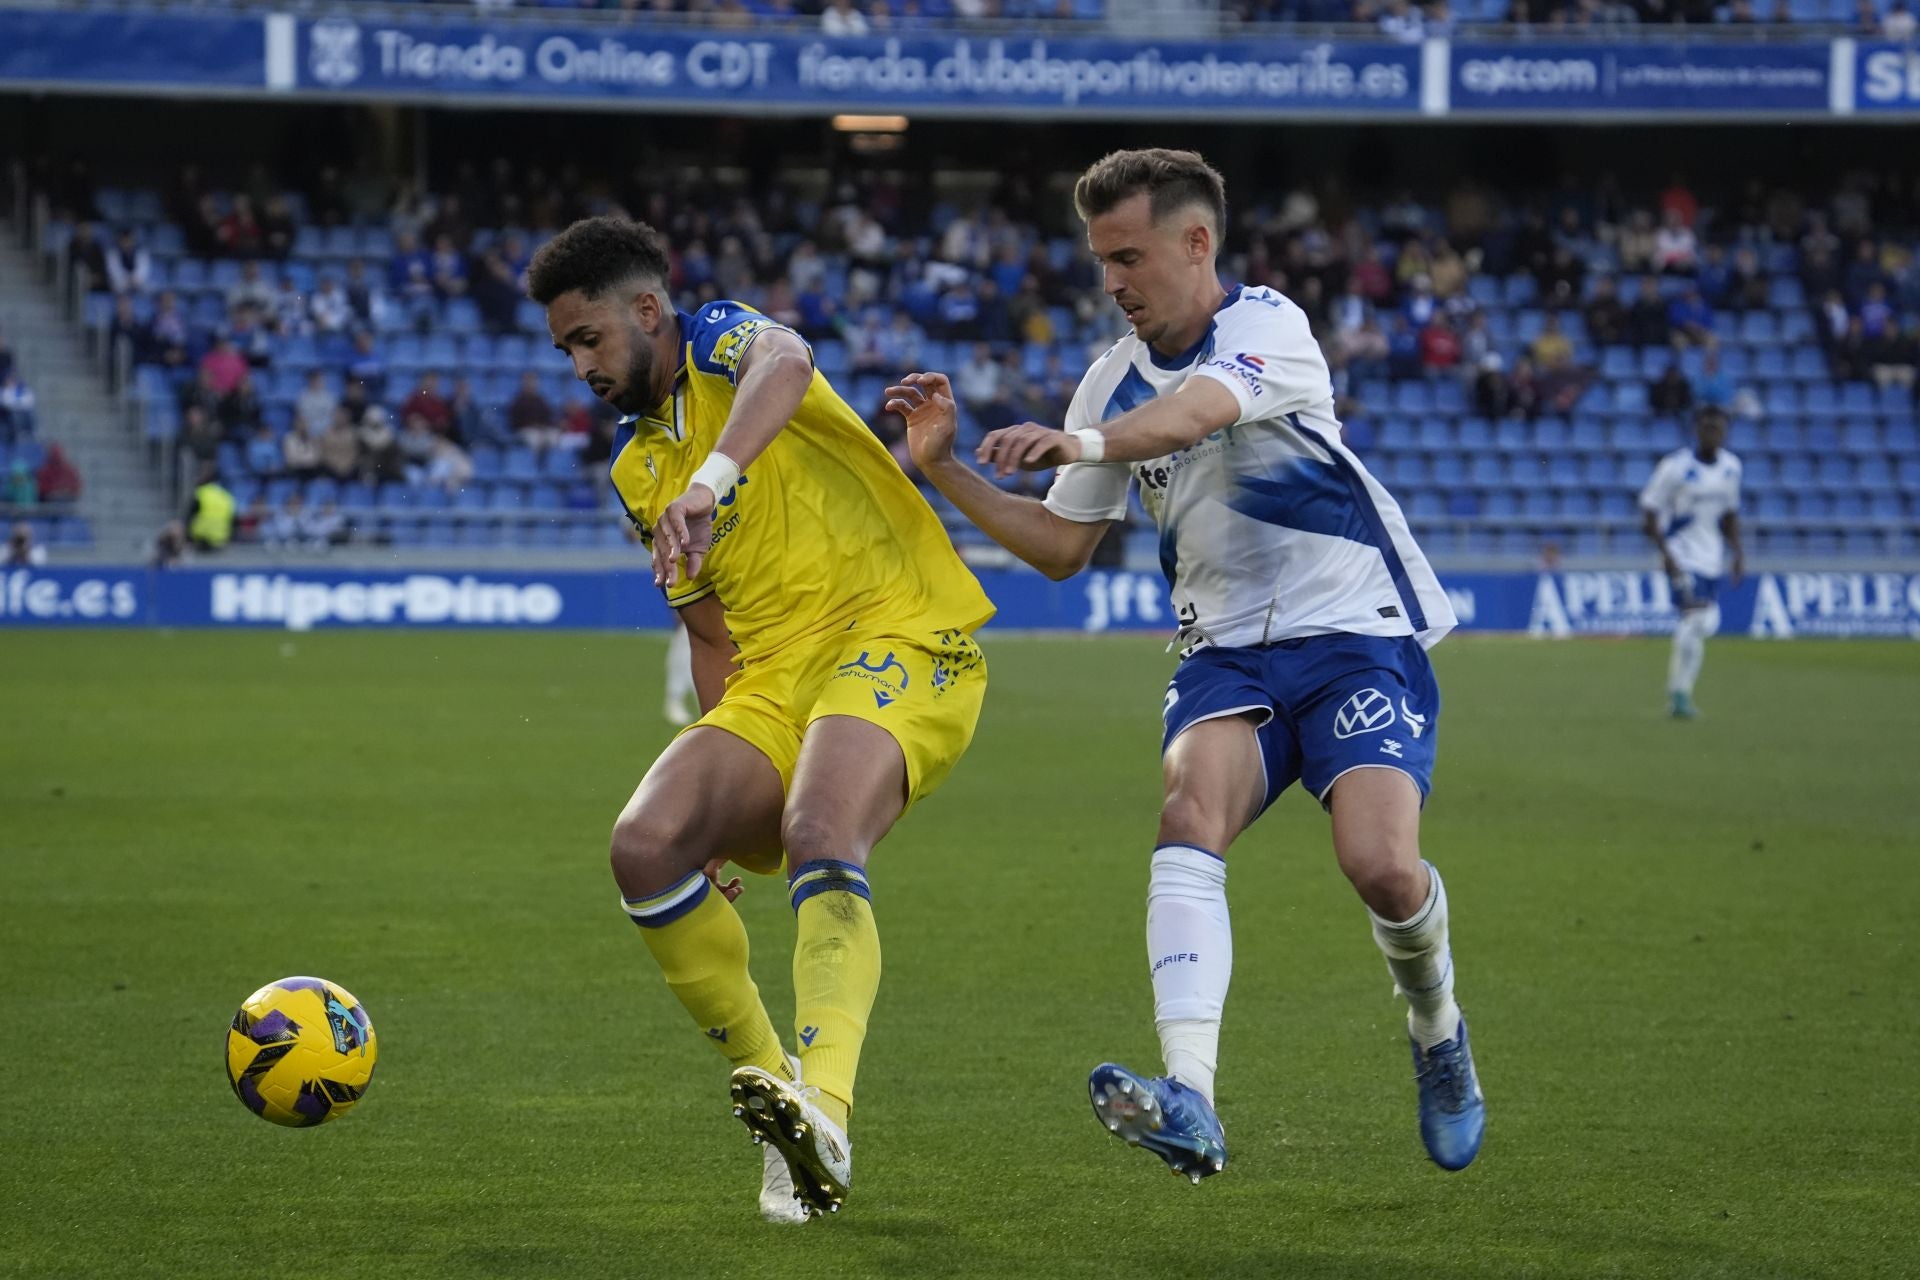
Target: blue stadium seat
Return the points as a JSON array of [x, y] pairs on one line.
[[1434, 433], [1488, 469], [1782, 397], [471, 498], [1413, 397], [507, 497], [1758, 329], [1821, 401], [1450, 469]]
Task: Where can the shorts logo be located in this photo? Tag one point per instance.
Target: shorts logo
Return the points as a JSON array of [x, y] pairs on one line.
[[1367, 711], [1415, 724], [1166, 711], [865, 668], [1390, 747]]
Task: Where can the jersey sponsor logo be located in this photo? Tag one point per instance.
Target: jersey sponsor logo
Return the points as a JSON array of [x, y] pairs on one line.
[[1244, 369], [1368, 711]]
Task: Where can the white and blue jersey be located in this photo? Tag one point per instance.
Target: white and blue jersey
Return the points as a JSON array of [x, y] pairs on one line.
[[1269, 528], [1303, 599], [1690, 498]]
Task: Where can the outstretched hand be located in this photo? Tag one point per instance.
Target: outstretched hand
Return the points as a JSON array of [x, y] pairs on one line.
[[1027, 447], [731, 888], [685, 528], [925, 400]]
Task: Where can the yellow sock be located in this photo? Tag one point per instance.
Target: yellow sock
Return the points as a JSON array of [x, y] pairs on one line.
[[701, 945], [836, 972]]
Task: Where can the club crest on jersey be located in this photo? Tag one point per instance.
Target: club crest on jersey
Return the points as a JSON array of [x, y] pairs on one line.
[[1368, 711]]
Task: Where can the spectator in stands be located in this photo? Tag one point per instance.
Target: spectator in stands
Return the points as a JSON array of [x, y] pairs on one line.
[[168, 338], [85, 250], [58, 480], [169, 546], [467, 423], [252, 289], [324, 527], [1647, 321], [1675, 248], [330, 308], [17, 409], [410, 275], [1863, 272], [449, 269], [1403, 349], [1893, 363], [251, 338], [340, 448], [129, 265], [1678, 202], [1562, 280], [1420, 304], [1439, 345], [300, 452], [531, 416], [19, 489], [1715, 277], [367, 366], [1637, 243], [496, 292], [1671, 394], [1448, 273], [978, 378], [448, 466], [901, 344], [380, 459], [1877, 316], [428, 404], [1834, 318], [241, 414], [840, 18], [263, 452], [371, 304], [1365, 350], [1400, 21], [199, 433], [210, 514], [222, 367], [416, 447], [1898, 22], [277, 228], [23, 550], [282, 529], [1552, 350], [1690, 318], [1746, 281], [313, 408], [287, 313], [201, 229], [1608, 324], [240, 237]]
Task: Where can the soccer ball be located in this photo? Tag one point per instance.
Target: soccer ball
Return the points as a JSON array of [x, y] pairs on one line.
[[300, 1051]]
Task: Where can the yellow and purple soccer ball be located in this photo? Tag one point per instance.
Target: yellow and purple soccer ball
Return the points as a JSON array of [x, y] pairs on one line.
[[300, 1052]]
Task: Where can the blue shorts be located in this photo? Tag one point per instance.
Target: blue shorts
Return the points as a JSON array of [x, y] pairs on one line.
[[1695, 590], [1326, 705]]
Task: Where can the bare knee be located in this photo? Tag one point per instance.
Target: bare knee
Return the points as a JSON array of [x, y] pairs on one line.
[[1391, 881], [648, 857], [1186, 818], [810, 836]]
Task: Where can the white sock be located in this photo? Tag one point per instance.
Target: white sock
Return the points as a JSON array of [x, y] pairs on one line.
[[1422, 965], [679, 667], [1190, 951], [1690, 637]]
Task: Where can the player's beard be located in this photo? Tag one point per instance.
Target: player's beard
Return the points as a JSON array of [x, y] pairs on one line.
[[635, 394]]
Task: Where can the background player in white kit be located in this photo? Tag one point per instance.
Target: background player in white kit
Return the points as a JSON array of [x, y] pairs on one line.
[[1304, 604], [1692, 512]]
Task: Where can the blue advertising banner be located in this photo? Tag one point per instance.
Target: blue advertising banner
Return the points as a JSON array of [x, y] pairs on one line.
[[1642, 76], [1567, 603], [1886, 77], [45, 46], [668, 68]]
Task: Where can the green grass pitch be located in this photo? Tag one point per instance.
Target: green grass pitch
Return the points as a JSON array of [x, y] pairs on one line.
[[1689, 952]]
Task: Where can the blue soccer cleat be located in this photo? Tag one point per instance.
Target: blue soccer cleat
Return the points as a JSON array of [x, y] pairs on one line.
[[1162, 1115], [1680, 706], [1453, 1115]]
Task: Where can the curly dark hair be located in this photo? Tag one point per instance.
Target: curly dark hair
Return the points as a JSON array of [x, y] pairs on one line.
[[1174, 179], [593, 255]]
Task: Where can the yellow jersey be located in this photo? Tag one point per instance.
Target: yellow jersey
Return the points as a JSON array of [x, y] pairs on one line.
[[822, 533]]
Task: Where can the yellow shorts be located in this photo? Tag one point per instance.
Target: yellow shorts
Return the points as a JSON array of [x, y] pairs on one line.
[[924, 689]]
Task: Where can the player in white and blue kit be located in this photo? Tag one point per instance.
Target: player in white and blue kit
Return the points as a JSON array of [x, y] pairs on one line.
[[1691, 507], [1305, 609]]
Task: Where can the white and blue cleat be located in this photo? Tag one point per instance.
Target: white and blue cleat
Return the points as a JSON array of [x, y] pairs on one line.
[[1453, 1115], [1160, 1115]]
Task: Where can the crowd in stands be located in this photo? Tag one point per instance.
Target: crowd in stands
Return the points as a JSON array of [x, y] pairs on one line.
[[32, 474], [337, 345]]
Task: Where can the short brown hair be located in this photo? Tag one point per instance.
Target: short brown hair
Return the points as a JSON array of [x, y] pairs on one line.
[[1173, 179], [593, 255]]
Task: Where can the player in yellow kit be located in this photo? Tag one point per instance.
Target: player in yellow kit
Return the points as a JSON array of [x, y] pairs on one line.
[[839, 682]]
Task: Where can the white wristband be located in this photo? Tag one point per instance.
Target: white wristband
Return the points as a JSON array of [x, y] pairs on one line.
[[1093, 444], [719, 473]]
